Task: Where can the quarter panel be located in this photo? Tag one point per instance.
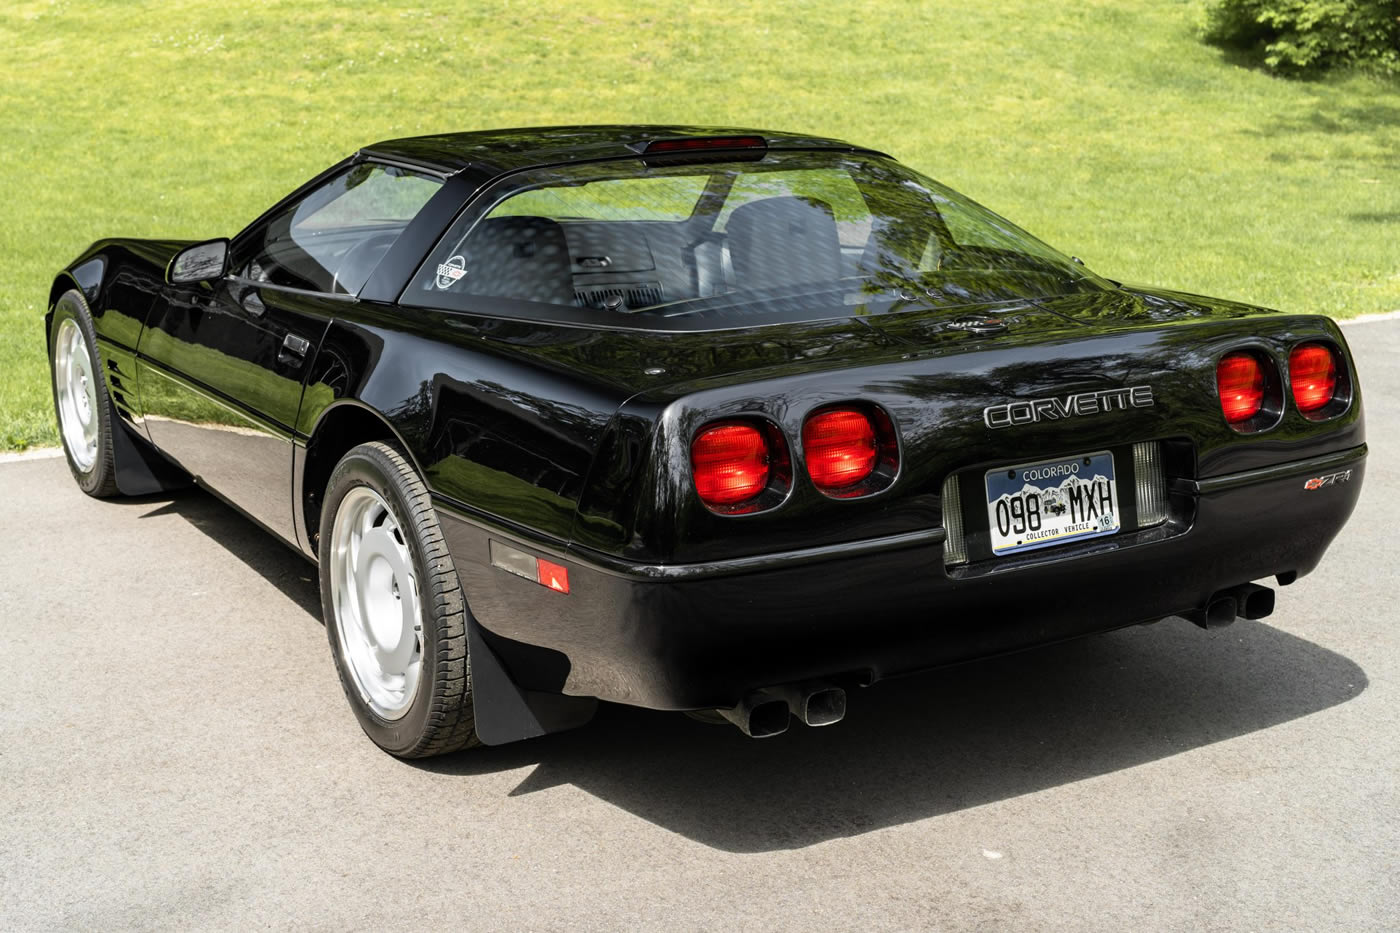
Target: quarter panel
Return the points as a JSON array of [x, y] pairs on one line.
[[490, 430]]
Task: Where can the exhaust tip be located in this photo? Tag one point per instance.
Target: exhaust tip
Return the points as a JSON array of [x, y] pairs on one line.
[[760, 715], [1222, 611], [824, 707], [768, 719], [1255, 601], [1247, 601], [1218, 613]]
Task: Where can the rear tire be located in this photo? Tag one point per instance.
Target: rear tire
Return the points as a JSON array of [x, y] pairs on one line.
[[393, 606], [80, 399]]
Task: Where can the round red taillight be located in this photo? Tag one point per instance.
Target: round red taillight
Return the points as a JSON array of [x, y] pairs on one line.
[[840, 446], [730, 462], [1239, 377], [1312, 370]]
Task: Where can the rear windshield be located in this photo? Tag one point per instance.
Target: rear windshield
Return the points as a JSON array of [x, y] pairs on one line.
[[784, 236]]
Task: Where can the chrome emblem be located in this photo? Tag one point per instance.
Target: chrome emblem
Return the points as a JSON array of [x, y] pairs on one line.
[[1331, 479], [1032, 410], [979, 324]]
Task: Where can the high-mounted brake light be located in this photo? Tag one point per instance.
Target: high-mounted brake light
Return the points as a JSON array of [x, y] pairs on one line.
[[1312, 370], [1239, 378], [841, 448], [731, 463], [706, 142]]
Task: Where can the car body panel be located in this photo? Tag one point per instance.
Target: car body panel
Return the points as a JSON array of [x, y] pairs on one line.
[[708, 638], [571, 440]]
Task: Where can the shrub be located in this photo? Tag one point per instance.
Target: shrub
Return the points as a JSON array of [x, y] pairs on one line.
[[1301, 37]]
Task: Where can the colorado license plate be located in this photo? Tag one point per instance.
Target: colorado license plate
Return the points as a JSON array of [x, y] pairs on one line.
[[1051, 502]]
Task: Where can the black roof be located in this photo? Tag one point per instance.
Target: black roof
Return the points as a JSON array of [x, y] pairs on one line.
[[508, 150]]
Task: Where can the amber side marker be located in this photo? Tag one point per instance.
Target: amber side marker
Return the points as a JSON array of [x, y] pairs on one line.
[[535, 569]]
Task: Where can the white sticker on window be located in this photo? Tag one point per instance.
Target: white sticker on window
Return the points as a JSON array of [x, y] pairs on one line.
[[448, 273]]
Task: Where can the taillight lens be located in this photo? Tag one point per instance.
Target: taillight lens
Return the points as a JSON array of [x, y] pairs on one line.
[[840, 446], [1239, 377], [730, 462], [1312, 370]]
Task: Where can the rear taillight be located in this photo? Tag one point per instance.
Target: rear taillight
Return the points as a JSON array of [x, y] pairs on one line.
[[731, 462], [841, 448], [1239, 378], [1312, 371]]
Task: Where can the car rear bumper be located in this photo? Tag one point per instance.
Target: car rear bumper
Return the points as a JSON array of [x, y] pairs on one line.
[[702, 635]]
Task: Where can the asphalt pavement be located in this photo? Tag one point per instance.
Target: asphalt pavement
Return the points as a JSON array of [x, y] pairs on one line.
[[175, 753]]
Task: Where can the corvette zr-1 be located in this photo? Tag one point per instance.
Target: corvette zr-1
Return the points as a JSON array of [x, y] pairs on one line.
[[718, 421]]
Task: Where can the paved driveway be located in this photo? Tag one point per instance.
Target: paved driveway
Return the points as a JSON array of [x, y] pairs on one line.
[[175, 752]]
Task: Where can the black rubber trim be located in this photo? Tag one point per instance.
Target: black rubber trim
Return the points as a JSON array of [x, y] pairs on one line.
[[736, 566], [1265, 474], [757, 563]]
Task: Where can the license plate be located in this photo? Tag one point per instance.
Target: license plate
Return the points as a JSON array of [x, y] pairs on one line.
[[1052, 502]]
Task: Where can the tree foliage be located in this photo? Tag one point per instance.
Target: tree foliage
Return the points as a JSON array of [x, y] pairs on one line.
[[1303, 37]]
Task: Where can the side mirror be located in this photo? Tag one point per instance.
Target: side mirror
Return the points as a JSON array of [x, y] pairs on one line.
[[198, 263]]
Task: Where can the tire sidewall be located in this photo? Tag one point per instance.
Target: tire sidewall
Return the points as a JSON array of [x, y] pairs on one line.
[[362, 467], [72, 306]]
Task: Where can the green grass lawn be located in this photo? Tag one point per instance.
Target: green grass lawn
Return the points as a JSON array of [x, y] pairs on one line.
[[1104, 127]]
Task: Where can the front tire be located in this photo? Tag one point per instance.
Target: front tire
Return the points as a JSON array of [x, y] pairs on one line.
[[393, 606], [80, 400]]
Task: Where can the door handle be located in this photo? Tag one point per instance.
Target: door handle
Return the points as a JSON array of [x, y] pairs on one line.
[[294, 349]]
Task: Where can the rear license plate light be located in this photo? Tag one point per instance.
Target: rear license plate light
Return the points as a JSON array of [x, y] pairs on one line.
[[955, 540], [1149, 484]]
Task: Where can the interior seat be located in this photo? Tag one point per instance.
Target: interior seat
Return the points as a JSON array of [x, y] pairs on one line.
[[783, 241], [519, 257]]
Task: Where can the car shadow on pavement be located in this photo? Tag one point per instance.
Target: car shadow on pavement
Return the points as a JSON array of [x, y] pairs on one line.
[[909, 749], [241, 537], [961, 737]]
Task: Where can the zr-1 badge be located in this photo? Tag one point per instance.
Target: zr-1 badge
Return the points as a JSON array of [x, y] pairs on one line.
[[1331, 479]]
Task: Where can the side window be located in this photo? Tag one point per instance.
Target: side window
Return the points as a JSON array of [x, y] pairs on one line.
[[331, 240]]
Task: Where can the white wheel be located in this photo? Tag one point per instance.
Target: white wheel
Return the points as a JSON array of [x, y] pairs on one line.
[[376, 603], [395, 617], [76, 388], [86, 418]]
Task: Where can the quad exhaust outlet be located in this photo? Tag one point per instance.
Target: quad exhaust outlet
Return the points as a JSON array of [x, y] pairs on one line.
[[1247, 601], [765, 713]]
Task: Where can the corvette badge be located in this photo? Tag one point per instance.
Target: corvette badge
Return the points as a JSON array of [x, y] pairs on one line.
[[1029, 411]]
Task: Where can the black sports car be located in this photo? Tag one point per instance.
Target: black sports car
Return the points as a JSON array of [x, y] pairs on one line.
[[695, 419]]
